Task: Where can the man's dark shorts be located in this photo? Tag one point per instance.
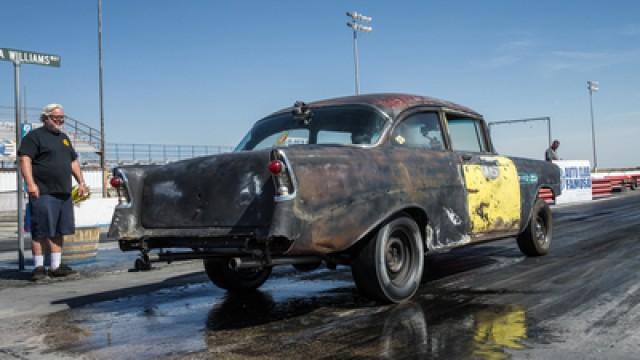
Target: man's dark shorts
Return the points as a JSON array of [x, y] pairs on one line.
[[51, 216]]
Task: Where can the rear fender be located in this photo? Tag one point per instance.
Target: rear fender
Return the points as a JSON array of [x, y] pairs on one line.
[[125, 223], [535, 175]]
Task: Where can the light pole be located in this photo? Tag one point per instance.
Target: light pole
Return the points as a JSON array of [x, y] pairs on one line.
[[356, 24], [593, 86], [103, 153]]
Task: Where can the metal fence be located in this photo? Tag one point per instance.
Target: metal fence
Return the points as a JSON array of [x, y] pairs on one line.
[[158, 153], [87, 142]]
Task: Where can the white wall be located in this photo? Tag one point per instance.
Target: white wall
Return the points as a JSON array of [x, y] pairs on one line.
[[91, 177], [9, 199]]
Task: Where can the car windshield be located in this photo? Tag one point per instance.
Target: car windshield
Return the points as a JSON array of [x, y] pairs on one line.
[[343, 125]]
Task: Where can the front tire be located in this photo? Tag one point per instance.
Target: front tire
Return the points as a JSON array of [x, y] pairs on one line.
[[389, 267], [226, 278], [535, 240]]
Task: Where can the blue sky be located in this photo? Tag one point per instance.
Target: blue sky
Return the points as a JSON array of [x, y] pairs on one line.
[[201, 72]]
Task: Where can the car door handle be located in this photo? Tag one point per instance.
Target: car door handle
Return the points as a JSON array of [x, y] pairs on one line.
[[466, 157]]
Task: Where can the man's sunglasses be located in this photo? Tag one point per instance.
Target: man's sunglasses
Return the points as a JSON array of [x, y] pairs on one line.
[[57, 118]]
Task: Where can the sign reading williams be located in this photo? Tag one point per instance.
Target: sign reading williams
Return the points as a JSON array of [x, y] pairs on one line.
[[29, 57]]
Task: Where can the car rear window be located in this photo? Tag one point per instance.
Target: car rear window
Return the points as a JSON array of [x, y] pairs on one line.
[[342, 125]]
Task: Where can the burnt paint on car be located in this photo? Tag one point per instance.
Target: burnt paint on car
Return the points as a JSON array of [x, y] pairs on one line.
[[227, 190], [344, 192], [535, 175]]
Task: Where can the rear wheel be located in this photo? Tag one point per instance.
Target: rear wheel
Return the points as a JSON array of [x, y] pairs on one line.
[[389, 267], [535, 240], [307, 267], [226, 278]]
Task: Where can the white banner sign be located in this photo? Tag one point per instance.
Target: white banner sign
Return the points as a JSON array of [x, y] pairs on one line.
[[575, 179]]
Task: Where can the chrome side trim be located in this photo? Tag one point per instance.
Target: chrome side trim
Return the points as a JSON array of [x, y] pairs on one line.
[[129, 204], [292, 176]]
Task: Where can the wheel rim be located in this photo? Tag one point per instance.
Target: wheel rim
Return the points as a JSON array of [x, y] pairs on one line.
[[541, 231], [398, 256]]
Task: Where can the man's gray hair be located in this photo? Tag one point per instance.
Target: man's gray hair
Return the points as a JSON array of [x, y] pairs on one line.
[[46, 111]]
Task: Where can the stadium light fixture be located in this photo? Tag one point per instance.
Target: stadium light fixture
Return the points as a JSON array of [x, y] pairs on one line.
[[356, 24]]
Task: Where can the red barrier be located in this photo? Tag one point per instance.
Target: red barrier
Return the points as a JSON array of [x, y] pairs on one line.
[[546, 195], [619, 182], [601, 187]]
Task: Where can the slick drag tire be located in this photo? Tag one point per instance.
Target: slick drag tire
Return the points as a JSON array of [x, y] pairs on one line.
[[389, 267], [535, 240], [307, 267], [236, 281]]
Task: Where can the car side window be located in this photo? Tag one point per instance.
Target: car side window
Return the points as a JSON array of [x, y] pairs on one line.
[[466, 134], [421, 130]]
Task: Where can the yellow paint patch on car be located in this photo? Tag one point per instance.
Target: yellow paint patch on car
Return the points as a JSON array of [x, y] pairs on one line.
[[493, 195]]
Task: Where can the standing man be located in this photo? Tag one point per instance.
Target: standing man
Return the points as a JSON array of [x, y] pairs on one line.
[[551, 153], [47, 161]]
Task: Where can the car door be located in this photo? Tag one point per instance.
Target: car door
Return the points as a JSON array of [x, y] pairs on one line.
[[491, 181], [435, 184]]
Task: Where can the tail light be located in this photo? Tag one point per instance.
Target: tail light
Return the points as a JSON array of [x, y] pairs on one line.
[[118, 182], [275, 167], [282, 175]]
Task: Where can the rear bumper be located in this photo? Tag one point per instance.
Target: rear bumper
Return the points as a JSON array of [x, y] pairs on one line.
[[229, 244]]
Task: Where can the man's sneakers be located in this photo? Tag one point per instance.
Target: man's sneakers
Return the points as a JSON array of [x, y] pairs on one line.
[[39, 274], [62, 271]]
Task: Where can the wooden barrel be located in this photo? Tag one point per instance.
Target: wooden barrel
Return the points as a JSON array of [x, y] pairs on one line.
[[82, 246]]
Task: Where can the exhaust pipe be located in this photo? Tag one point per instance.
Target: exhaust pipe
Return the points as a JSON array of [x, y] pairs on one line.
[[237, 263]]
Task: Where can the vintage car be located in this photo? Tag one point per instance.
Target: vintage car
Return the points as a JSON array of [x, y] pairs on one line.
[[375, 182]]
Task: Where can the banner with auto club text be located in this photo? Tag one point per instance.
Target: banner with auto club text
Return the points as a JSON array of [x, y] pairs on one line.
[[575, 179]]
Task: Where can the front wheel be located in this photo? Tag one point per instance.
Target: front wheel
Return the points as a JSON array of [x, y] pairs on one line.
[[226, 278], [535, 240], [389, 267]]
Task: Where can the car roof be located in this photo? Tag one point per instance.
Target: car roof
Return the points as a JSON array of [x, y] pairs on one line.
[[391, 103]]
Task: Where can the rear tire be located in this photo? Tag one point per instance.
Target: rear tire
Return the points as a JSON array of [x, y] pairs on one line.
[[535, 240], [307, 267], [226, 278], [389, 267]]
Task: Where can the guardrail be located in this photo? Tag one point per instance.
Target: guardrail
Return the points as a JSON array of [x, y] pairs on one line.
[[600, 188], [602, 185], [618, 182]]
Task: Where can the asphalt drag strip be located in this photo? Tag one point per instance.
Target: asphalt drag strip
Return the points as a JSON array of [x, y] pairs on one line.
[[479, 302]]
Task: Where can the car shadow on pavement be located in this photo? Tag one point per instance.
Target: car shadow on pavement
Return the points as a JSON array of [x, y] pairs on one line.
[[442, 265]]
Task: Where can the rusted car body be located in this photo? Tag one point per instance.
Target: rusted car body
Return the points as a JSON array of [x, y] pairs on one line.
[[325, 181]]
